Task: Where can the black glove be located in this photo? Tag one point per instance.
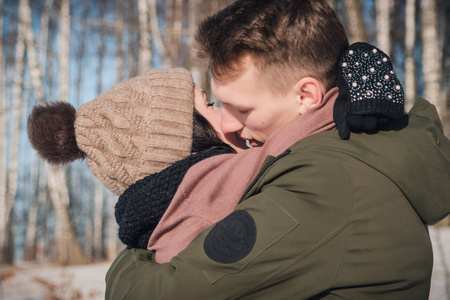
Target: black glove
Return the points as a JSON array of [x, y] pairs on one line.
[[370, 94]]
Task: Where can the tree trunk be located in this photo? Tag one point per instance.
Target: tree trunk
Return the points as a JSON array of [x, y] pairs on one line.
[[383, 11], [144, 52], [81, 53], [356, 23], [24, 17], [446, 50], [3, 218], [199, 76], [331, 3], [111, 250], [64, 46], [43, 36], [35, 69], [410, 40], [41, 202], [88, 237], [98, 220], [30, 244], [111, 247], [431, 54], [157, 35], [68, 247], [174, 29], [119, 36], [132, 40]]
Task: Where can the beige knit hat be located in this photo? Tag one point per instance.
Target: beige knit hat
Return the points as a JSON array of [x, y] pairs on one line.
[[136, 128]]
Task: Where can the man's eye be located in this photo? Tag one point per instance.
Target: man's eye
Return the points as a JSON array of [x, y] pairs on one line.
[[210, 104], [242, 112]]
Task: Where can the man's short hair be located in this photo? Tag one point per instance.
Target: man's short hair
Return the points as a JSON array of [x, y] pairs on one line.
[[286, 40]]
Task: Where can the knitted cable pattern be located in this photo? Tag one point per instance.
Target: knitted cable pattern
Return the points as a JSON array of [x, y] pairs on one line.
[[142, 205], [137, 127]]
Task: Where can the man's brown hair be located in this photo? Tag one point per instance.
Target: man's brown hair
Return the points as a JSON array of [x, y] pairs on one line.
[[286, 40]]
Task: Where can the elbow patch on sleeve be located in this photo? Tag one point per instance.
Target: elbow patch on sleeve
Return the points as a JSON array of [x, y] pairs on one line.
[[231, 239]]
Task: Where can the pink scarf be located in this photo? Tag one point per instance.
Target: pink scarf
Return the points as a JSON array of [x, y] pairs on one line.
[[212, 188]]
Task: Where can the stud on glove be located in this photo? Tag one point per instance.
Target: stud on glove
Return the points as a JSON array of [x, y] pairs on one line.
[[370, 94]]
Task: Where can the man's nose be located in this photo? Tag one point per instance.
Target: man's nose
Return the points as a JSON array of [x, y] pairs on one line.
[[229, 123]]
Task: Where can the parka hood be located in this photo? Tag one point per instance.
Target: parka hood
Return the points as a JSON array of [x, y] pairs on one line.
[[416, 158]]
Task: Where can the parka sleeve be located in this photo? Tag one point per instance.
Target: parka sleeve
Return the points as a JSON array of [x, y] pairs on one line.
[[291, 232]]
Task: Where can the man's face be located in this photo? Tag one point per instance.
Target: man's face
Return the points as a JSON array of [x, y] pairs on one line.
[[250, 109]]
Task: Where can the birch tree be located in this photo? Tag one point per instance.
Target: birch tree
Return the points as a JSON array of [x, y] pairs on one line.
[[30, 244], [197, 10], [64, 45], [3, 217], [410, 40], [41, 203], [80, 53], [32, 59], [119, 36], [157, 35], [356, 23], [24, 17], [446, 51], [199, 76], [144, 52], [131, 39], [111, 248], [431, 54], [43, 36], [383, 17], [34, 244], [97, 219], [68, 248], [36, 65], [174, 18]]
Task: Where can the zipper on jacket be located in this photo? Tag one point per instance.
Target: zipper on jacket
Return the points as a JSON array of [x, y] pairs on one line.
[[285, 153]]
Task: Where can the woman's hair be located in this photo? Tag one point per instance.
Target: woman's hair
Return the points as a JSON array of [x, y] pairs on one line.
[[204, 136]]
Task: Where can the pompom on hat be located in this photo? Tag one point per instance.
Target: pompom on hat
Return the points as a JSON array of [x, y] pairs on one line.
[[136, 128]]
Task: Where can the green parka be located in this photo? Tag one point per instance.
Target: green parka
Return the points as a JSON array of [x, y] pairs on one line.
[[328, 219]]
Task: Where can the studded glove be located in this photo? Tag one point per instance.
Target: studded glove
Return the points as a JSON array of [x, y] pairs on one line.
[[370, 94]]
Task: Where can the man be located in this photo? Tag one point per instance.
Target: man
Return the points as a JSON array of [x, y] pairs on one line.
[[328, 218]]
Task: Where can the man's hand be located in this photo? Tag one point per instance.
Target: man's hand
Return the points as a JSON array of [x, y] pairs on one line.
[[370, 94]]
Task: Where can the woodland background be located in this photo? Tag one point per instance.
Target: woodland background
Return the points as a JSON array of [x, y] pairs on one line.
[[74, 50]]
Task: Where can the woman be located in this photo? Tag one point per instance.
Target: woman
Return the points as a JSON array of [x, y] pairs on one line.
[[148, 130]]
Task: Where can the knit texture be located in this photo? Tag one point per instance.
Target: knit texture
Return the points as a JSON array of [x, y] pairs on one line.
[[137, 128], [141, 207]]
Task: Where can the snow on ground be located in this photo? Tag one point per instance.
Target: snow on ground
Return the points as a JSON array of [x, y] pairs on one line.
[[89, 279], [440, 279]]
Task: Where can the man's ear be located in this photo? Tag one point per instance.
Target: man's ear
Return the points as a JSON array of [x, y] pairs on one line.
[[310, 93]]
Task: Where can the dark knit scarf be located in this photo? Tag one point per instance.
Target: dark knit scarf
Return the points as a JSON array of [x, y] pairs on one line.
[[142, 205]]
